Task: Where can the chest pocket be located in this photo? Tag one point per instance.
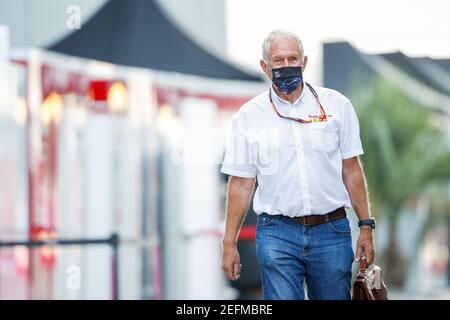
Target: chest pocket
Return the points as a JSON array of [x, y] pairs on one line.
[[324, 136]]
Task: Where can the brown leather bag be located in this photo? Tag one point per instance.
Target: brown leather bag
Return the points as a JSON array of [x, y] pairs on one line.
[[369, 284]]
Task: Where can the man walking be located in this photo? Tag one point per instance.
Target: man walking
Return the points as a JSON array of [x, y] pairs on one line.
[[302, 144]]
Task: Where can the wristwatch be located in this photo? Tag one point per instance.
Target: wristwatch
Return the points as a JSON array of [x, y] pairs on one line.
[[367, 222]]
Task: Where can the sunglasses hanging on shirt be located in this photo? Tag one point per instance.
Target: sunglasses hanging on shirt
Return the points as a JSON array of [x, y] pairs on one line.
[[321, 118]]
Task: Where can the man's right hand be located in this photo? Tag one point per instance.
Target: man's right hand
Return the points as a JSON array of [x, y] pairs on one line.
[[231, 262], [239, 195]]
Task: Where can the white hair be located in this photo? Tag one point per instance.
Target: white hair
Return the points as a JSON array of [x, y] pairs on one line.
[[276, 34]]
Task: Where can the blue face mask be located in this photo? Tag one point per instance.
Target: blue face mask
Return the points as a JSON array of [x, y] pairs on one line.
[[287, 79]]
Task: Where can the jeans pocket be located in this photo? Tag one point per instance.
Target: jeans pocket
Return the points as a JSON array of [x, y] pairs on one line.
[[265, 220], [341, 226]]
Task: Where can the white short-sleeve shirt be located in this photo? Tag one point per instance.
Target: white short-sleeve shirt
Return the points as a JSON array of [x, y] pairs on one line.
[[298, 166]]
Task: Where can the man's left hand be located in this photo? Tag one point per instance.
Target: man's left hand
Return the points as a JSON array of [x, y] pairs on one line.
[[364, 246]]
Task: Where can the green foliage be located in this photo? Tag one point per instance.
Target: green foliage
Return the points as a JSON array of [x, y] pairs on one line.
[[405, 146]]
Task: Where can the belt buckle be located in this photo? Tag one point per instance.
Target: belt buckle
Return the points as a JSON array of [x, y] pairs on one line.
[[306, 224]]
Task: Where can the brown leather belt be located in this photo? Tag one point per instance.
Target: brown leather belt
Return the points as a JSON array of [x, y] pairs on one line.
[[313, 220]]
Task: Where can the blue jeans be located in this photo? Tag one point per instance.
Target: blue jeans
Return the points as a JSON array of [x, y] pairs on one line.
[[290, 254]]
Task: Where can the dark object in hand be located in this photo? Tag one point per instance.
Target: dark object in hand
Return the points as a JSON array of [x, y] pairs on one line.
[[369, 284]]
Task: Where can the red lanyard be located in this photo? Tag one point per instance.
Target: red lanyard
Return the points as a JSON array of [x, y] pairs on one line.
[[323, 116]]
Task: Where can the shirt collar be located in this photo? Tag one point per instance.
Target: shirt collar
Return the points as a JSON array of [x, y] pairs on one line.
[[281, 100]]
